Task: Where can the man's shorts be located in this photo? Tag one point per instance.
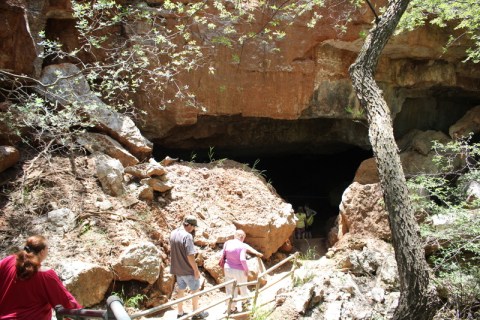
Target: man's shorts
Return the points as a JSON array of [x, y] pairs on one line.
[[190, 281]]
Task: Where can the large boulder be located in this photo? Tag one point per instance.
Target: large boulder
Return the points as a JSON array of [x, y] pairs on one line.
[[422, 142], [417, 155], [97, 142], [367, 172], [140, 262], [362, 211], [358, 281], [225, 196], [469, 123], [66, 85], [211, 265], [86, 281], [269, 231], [8, 157], [110, 174], [20, 22], [61, 219]]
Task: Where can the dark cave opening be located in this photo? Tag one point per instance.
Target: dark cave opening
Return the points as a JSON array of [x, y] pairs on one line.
[[317, 180]]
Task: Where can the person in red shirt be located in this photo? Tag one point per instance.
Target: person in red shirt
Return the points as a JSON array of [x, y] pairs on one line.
[[27, 290]]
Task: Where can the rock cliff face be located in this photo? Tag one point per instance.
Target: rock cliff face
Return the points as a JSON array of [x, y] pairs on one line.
[[296, 95]]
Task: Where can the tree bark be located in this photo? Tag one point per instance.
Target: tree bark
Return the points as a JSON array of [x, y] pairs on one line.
[[416, 300]]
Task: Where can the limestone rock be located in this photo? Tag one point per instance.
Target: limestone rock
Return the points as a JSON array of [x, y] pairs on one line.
[[166, 281], [365, 261], [168, 161], [97, 142], [87, 282], [306, 78], [469, 123], [157, 184], [269, 232], [76, 89], [362, 211], [301, 300], [387, 277], [146, 170], [422, 141], [309, 80], [61, 218], [416, 156], [19, 27], [473, 191], [333, 310], [212, 267], [145, 193], [414, 163], [8, 157], [110, 174], [267, 219], [367, 172], [139, 262]]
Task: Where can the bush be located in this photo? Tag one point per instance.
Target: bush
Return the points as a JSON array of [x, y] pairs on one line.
[[454, 225]]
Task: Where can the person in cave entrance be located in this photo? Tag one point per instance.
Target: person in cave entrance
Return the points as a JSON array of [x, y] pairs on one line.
[[309, 220], [301, 218]]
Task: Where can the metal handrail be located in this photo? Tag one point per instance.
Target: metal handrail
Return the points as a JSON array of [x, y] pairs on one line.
[[79, 314], [115, 311], [275, 267], [174, 302]]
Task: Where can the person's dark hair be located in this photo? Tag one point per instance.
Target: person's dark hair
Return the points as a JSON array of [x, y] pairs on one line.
[[28, 261]]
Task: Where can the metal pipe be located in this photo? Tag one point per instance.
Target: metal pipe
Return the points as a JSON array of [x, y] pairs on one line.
[[278, 265], [115, 308], [62, 312]]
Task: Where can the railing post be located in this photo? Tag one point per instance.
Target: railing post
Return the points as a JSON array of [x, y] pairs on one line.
[[115, 309], [229, 305], [294, 267], [257, 287]]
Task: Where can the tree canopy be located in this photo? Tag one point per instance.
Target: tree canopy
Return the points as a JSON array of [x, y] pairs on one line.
[[462, 15]]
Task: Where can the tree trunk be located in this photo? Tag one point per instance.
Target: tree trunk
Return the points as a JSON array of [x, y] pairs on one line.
[[415, 298]]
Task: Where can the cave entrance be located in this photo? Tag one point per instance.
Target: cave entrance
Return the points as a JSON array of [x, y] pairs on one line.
[[317, 180]]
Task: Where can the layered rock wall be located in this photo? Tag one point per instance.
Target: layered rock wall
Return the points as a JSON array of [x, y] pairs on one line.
[[303, 76]]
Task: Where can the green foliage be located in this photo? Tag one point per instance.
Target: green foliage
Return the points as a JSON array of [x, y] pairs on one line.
[[355, 112], [134, 301], [130, 302], [260, 313], [193, 156], [301, 280], [86, 227], [46, 120], [443, 197], [463, 15], [131, 49], [257, 172], [211, 153], [310, 254]]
